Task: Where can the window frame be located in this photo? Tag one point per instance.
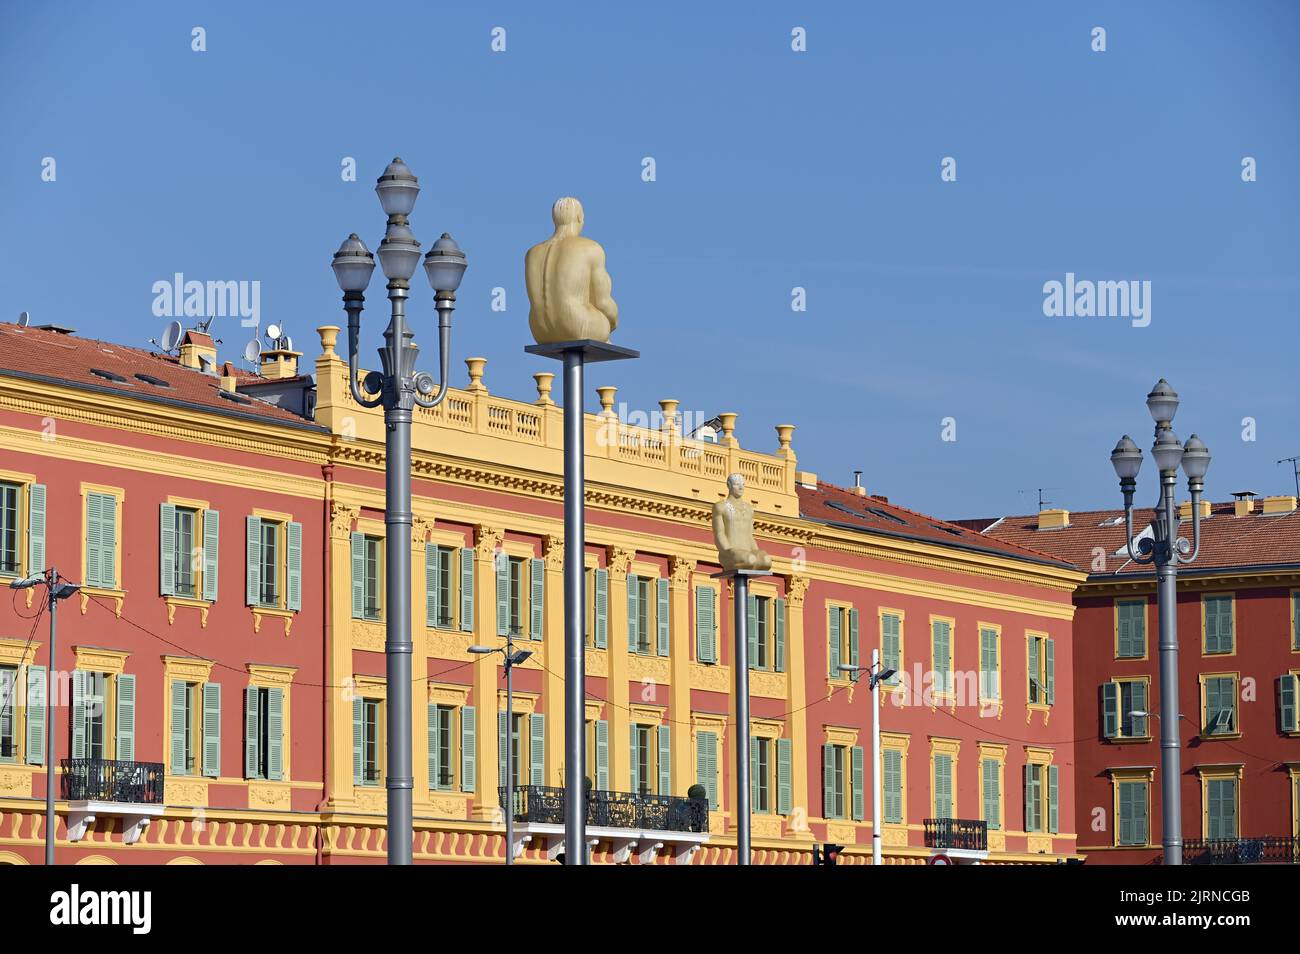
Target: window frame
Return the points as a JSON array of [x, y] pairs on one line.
[[1119, 778], [119, 498], [1231, 597], [1119, 603], [19, 529], [987, 701], [948, 694], [895, 682], [1204, 679]]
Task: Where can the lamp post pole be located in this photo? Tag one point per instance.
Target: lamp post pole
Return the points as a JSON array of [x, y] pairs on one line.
[[1166, 550], [398, 389], [875, 677], [740, 665]]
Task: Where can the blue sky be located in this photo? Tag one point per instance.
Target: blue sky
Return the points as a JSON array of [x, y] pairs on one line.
[[774, 169]]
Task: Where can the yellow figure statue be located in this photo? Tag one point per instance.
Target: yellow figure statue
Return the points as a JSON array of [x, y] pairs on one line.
[[568, 287], [733, 530]]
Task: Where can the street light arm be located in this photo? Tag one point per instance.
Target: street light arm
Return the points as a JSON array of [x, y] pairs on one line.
[[1196, 531], [445, 306], [353, 306], [1128, 534]]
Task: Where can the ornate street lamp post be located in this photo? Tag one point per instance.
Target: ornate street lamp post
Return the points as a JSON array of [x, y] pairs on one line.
[[1166, 550], [398, 388]]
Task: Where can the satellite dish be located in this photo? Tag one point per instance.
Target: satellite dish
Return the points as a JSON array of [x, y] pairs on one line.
[[251, 351], [172, 336], [273, 331], [24, 320], [288, 343]]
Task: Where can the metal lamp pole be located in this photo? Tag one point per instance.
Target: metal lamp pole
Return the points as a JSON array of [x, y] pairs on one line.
[[398, 389], [575, 355], [875, 678], [740, 663], [1166, 549], [512, 659]]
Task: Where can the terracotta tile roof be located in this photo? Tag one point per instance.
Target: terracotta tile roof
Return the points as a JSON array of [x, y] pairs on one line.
[[1253, 540], [842, 507], [39, 355]]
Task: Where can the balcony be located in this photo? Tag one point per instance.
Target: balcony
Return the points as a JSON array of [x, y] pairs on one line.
[[630, 821], [964, 839], [95, 788], [1265, 850]]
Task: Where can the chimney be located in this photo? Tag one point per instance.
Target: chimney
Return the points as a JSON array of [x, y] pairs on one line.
[[806, 478], [857, 484], [1185, 510], [199, 351], [279, 363], [227, 383], [1243, 503], [1053, 519], [1279, 504]]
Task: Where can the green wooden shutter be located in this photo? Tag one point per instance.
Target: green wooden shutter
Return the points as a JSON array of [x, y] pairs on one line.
[[434, 750], [1286, 694], [108, 542], [502, 565], [1110, 709], [1229, 808], [778, 651], [358, 543], [1034, 670], [35, 712], [468, 751], [753, 773], [893, 795], [166, 550], [859, 785], [711, 751], [1124, 632], [432, 592], [251, 732], [943, 786], [94, 536], [889, 643], [211, 729], [751, 629], [602, 755], [993, 793], [704, 624], [854, 655], [537, 749], [78, 714], [633, 762], [358, 741], [253, 563], [180, 715], [602, 608], [1031, 820], [1053, 803], [1050, 652], [633, 614], [701, 760], [784, 767], [662, 615], [665, 754], [35, 529], [293, 557], [467, 589], [126, 718], [828, 781], [1126, 813], [1132, 629], [211, 553], [1139, 705], [989, 663], [503, 740], [1295, 620], [1140, 833], [537, 598], [833, 642], [275, 733]]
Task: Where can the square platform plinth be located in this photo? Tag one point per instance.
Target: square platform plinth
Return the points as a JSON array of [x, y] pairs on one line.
[[592, 351]]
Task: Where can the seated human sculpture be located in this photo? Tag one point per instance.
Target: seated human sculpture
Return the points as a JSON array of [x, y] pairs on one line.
[[569, 291], [733, 530]]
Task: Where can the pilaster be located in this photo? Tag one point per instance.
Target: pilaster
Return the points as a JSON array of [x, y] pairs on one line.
[[620, 768], [487, 544], [679, 599], [553, 650], [796, 588]]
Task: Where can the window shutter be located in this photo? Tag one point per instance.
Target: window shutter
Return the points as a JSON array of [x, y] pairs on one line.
[[1286, 694], [753, 773], [275, 733], [711, 750], [602, 608], [893, 773], [992, 793], [537, 598], [702, 761], [503, 740], [211, 553], [253, 562], [751, 629], [942, 786], [1295, 620], [502, 564], [166, 550], [661, 614], [35, 529], [602, 755], [704, 624], [1126, 814], [432, 593], [358, 541], [632, 782], [854, 657], [1139, 705], [633, 614], [293, 574], [212, 729], [665, 754], [784, 788], [467, 590], [251, 732], [78, 714], [1034, 670], [1050, 652], [1140, 834], [833, 641], [1110, 709], [1053, 805], [889, 642], [1229, 808], [35, 715], [94, 536], [468, 752], [1031, 823], [434, 751], [126, 718], [358, 740], [537, 749], [778, 651], [108, 542], [179, 717], [859, 785], [828, 781]]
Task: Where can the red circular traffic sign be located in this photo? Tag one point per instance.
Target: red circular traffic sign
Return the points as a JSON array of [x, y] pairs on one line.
[[939, 860]]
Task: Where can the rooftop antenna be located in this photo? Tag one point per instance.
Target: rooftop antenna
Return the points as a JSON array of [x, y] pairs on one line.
[[1295, 464], [24, 320], [857, 479], [203, 326], [1039, 490]]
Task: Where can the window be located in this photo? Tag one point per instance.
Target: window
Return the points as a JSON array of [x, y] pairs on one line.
[[893, 785], [1219, 704], [643, 615], [842, 641], [1295, 621], [89, 704], [367, 741], [189, 539], [1131, 629], [1042, 791], [1221, 808], [521, 596], [842, 782], [101, 540], [264, 732], [991, 791], [10, 529], [598, 753], [706, 624], [941, 655], [706, 763], [765, 627], [942, 786], [1042, 670], [527, 748], [8, 714], [1288, 701], [1217, 625], [195, 728], [833, 757], [990, 665], [440, 571], [447, 747], [1132, 810], [647, 615], [373, 577], [597, 582], [274, 572], [515, 569], [643, 756], [891, 645], [760, 774], [1124, 709], [22, 528]]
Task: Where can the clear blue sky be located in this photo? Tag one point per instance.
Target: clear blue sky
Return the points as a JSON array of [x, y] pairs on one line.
[[775, 169]]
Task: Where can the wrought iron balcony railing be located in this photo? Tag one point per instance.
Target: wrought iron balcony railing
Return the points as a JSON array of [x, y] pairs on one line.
[[1265, 850], [966, 834], [107, 780], [544, 804]]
